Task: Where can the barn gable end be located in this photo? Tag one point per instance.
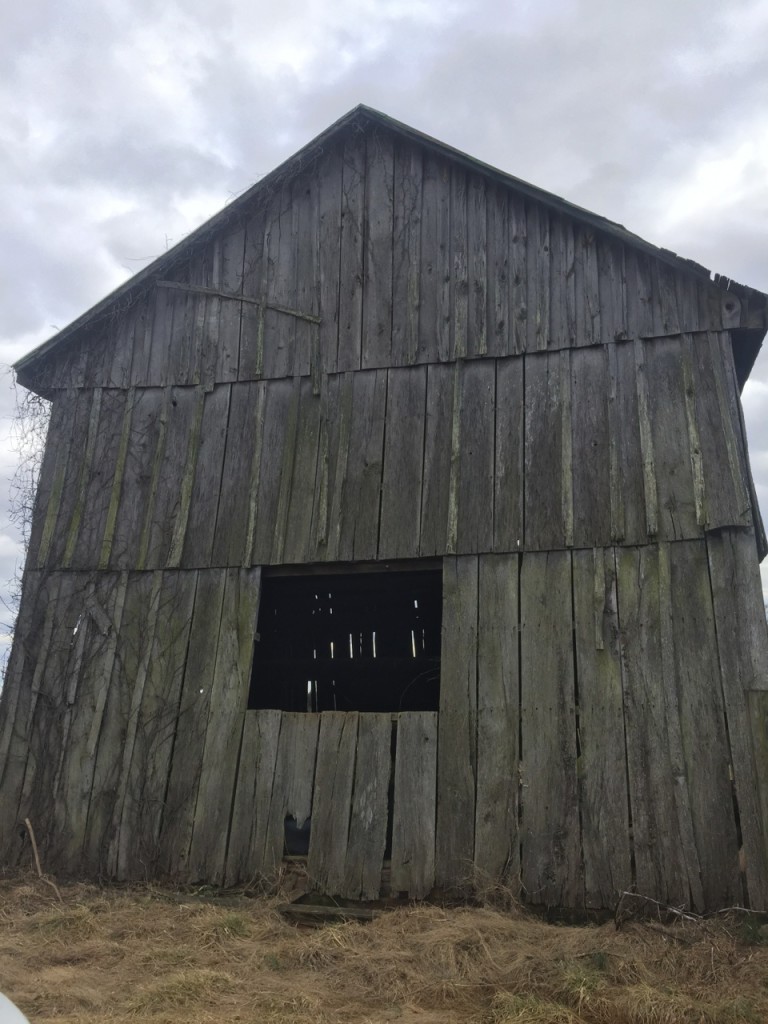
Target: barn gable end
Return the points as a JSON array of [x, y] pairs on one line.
[[387, 356]]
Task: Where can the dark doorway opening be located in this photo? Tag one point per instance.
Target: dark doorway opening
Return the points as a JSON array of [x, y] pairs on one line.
[[348, 641]]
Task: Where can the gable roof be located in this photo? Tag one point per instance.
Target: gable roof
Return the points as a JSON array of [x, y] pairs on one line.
[[362, 116]]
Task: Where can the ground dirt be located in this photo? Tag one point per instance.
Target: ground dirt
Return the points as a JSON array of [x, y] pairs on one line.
[[112, 954]]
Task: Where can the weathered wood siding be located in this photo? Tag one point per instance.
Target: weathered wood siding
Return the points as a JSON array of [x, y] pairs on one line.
[[624, 443], [389, 355], [383, 253], [594, 734]]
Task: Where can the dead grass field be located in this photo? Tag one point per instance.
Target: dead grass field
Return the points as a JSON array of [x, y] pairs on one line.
[[145, 954]]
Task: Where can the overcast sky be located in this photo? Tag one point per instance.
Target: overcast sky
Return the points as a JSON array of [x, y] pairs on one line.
[[125, 124]]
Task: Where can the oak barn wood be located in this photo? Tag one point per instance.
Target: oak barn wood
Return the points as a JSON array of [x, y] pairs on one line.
[[388, 363]]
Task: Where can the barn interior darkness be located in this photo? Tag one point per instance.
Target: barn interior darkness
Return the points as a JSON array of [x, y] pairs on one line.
[[348, 641]]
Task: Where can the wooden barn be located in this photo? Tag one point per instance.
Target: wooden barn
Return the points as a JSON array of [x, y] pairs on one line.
[[399, 519]]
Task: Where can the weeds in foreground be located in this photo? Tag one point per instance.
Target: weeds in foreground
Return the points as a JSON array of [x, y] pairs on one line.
[[120, 955]]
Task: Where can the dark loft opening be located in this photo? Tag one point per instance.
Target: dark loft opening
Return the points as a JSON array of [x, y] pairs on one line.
[[362, 641]]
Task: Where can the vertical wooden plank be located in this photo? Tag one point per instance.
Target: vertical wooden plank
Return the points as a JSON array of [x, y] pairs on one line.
[[650, 490], [628, 523], [68, 487], [476, 457], [639, 293], [118, 374], [253, 795], [298, 521], [49, 712], [351, 261], [537, 305], [412, 868], [591, 449], [742, 641], [435, 296], [32, 636], [378, 250], [332, 800], [406, 254], [544, 525], [157, 320], [518, 274], [509, 456], [328, 232], [702, 722], [561, 284], [135, 481], [403, 463], [114, 727], [603, 796], [613, 309], [197, 687], [156, 726], [251, 357], [477, 238], [727, 496], [51, 478], [587, 284], [278, 399], [305, 288], [328, 448], [437, 459], [358, 488], [660, 841], [228, 703], [666, 317], [551, 860], [457, 739], [497, 843], [499, 325], [86, 470], [204, 497], [286, 474], [369, 811], [98, 486], [280, 335], [232, 258], [671, 447], [293, 785], [694, 440], [459, 262], [75, 781]]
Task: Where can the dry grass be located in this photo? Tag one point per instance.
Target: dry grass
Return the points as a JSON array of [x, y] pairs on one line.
[[113, 955]]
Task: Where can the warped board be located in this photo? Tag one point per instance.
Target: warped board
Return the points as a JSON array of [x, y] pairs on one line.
[[253, 795], [229, 687], [293, 785]]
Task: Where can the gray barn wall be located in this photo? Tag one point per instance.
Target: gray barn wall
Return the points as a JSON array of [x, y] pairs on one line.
[[393, 357]]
